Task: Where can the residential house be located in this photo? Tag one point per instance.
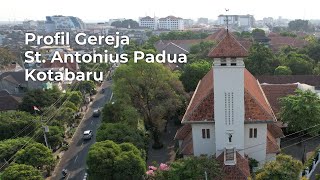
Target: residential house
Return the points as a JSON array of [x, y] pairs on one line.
[[9, 102]]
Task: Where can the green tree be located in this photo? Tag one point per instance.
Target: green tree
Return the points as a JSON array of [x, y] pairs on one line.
[[36, 155], [313, 50], [125, 24], [284, 168], [175, 35], [108, 160], [316, 69], [153, 90], [191, 168], [75, 97], [300, 25], [120, 112], [39, 98], [300, 64], [6, 57], [86, 86], [121, 133], [12, 124], [21, 172], [260, 60], [66, 115], [192, 73], [54, 136], [200, 51], [69, 104], [282, 70], [10, 146], [301, 110]]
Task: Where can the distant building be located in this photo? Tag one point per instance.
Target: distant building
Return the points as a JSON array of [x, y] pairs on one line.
[[237, 20], [171, 23], [203, 21], [63, 23], [188, 23], [114, 20], [148, 22]]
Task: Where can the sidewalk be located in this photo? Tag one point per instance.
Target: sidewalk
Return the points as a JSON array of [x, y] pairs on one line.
[[167, 153]]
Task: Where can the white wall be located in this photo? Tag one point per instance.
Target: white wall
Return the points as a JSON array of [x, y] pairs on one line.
[[200, 145], [256, 147], [229, 79]]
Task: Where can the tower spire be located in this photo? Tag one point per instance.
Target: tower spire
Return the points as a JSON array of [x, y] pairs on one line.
[[227, 20]]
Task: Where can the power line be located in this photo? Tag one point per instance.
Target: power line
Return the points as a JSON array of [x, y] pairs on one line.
[[34, 136]]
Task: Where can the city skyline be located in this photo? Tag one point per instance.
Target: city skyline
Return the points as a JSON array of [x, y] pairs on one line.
[[15, 10]]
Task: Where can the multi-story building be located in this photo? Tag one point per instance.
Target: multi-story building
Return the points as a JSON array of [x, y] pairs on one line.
[[63, 23], [148, 22], [203, 21], [237, 20], [171, 23]]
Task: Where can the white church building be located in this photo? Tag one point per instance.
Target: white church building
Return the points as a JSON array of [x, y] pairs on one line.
[[229, 116]]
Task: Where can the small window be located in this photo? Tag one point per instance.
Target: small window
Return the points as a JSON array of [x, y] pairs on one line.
[[253, 133], [223, 62], [233, 62], [203, 133], [206, 133]]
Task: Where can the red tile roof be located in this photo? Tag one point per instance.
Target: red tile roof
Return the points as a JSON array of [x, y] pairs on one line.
[[187, 145], [201, 106], [274, 92], [275, 130], [183, 132], [57, 64], [277, 42], [217, 36], [239, 171], [312, 80], [8, 101], [272, 146], [228, 47]]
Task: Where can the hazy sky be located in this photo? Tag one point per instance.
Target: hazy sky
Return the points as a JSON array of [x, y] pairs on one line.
[[103, 10]]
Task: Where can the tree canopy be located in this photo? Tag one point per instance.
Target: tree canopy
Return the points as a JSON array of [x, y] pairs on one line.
[[12, 124], [260, 60], [191, 168], [282, 70], [284, 168], [128, 23], [10, 146], [39, 98], [121, 133], [6, 57], [175, 35], [153, 90], [301, 110], [21, 172], [106, 159], [300, 25], [36, 155], [192, 73]]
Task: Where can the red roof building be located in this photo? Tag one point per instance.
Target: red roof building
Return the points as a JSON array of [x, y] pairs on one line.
[[229, 115]]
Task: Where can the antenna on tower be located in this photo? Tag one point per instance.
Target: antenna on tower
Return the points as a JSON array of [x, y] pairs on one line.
[[227, 19]]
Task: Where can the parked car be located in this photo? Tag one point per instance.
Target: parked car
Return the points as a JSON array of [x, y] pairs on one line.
[[96, 113], [87, 134]]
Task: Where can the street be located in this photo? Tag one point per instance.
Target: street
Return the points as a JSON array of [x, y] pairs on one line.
[[74, 159]]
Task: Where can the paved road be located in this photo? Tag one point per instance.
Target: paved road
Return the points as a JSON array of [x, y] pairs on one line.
[[74, 159]]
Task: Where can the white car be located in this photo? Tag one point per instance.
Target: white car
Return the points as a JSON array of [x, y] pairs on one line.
[[87, 134]]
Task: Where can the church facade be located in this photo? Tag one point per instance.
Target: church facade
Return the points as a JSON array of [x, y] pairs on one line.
[[229, 116]]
